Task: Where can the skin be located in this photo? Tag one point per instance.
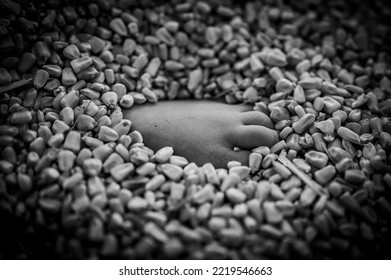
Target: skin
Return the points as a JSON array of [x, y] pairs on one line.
[[202, 130]]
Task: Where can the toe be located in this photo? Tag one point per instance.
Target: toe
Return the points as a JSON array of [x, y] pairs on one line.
[[252, 136], [256, 118]]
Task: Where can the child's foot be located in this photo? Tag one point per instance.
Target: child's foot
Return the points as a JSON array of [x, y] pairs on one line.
[[203, 131]]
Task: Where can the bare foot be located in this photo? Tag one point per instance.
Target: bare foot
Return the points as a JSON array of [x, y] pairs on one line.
[[203, 131]]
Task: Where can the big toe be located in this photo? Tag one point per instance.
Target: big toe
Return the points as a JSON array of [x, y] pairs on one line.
[[252, 136], [256, 118]]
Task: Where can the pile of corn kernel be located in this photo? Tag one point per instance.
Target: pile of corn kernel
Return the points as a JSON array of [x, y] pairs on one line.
[[76, 183]]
